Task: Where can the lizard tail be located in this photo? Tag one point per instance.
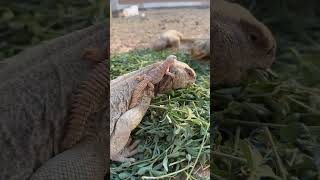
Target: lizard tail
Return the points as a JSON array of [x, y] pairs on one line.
[[92, 93]]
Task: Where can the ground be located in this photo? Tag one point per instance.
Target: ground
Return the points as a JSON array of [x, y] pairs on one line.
[[137, 32]]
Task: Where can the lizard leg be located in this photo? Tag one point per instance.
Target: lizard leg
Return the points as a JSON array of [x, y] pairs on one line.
[[130, 149], [170, 73], [151, 89], [121, 133], [138, 92]]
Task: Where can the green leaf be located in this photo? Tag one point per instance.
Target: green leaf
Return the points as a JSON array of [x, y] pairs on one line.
[[266, 171], [291, 132], [165, 163], [7, 15], [188, 157], [143, 170], [247, 153], [124, 175], [158, 173]]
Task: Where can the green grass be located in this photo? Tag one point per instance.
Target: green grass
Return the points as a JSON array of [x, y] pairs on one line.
[[269, 125], [175, 130], [27, 23]]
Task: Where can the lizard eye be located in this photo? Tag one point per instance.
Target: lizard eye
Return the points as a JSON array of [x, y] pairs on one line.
[[253, 37], [189, 71]]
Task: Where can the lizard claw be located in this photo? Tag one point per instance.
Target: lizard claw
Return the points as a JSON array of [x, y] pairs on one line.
[[128, 151]]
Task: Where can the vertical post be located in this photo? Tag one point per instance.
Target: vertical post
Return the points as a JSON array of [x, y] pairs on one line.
[[110, 9]]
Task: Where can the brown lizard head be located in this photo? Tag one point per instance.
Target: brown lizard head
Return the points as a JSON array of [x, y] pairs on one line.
[[184, 76], [171, 59], [240, 43]]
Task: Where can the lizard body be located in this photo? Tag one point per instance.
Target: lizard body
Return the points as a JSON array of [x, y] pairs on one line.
[[171, 38], [200, 49], [88, 158], [124, 119], [152, 77], [35, 89], [33, 111], [240, 43], [91, 97]]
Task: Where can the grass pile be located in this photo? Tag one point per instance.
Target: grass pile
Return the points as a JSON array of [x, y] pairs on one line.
[[268, 127], [27, 23], [175, 130]]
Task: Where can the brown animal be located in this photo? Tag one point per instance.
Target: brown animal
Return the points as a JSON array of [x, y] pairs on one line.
[[150, 79], [170, 39], [199, 48], [124, 119], [240, 43]]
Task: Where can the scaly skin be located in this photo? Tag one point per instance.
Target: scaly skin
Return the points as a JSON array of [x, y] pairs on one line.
[[36, 86], [91, 97], [88, 159], [123, 119], [153, 77]]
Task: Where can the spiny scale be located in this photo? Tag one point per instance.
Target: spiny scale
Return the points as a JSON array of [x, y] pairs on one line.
[[86, 102]]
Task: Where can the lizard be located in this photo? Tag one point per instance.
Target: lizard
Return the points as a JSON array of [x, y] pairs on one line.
[[86, 159], [170, 38], [36, 87], [148, 80], [199, 48], [18, 164], [47, 65], [240, 43], [124, 119]]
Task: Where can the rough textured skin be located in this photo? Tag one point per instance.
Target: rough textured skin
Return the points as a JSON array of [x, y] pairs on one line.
[[36, 86], [240, 43], [85, 161], [123, 119], [154, 76], [91, 97], [88, 159]]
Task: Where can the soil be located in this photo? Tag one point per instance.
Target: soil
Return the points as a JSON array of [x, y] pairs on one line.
[[138, 32]]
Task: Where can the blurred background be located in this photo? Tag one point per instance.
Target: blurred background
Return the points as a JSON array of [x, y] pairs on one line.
[[26, 23], [268, 127]]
